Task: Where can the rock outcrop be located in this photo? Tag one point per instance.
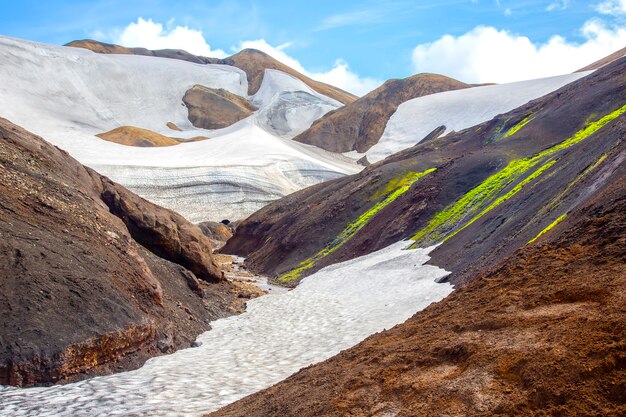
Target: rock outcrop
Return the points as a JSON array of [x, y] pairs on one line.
[[211, 108], [218, 233], [359, 125], [604, 61], [135, 136], [95, 279]]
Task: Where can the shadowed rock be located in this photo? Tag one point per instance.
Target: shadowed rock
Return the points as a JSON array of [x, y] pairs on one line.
[[163, 231], [85, 288]]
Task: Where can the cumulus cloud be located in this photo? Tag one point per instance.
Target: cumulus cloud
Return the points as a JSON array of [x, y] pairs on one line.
[[614, 7], [486, 54], [339, 75], [152, 35]]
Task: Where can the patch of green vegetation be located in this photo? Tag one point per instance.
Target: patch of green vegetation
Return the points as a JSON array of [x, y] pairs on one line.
[[483, 198], [548, 228], [392, 190], [519, 126]]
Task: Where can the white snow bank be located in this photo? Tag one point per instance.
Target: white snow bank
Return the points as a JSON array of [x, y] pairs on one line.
[[68, 95], [458, 110], [288, 106], [329, 311]]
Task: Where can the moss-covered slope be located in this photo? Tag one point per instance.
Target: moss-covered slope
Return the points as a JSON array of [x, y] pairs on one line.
[[495, 188]]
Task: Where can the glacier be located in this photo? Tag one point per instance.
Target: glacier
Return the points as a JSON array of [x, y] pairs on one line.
[[68, 95]]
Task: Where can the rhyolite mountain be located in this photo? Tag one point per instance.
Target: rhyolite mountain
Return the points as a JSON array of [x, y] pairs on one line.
[[541, 333], [484, 192], [93, 105], [94, 278], [359, 125], [252, 61]]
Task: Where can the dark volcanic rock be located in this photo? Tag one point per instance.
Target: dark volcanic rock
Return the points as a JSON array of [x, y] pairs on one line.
[[494, 216], [541, 334], [211, 108], [359, 125], [78, 294]]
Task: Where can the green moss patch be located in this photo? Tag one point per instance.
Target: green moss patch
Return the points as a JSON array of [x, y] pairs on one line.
[[484, 197], [519, 126], [548, 228], [392, 190]]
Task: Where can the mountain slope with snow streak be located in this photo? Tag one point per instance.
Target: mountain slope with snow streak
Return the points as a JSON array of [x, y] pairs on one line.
[[458, 110], [68, 95], [275, 337]]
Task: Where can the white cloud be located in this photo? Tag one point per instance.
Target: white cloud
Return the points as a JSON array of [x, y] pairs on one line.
[[614, 7], [486, 54], [351, 18], [558, 5], [152, 35], [339, 75]]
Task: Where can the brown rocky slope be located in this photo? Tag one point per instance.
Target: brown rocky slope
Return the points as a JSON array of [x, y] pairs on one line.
[[359, 125], [251, 61], [485, 191], [255, 62], [94, 279], [211, 108], [541, 334]]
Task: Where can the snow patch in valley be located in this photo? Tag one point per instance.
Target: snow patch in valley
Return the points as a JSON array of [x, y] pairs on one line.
[[458, 110], [329, 311], [68, 95]]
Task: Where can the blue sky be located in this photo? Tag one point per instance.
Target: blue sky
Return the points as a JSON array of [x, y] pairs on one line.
[[354, 44]]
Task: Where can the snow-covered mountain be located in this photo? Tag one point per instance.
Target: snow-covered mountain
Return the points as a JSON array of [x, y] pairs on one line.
[[68, 95], [457, 110]]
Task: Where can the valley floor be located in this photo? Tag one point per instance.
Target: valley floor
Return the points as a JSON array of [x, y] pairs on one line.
[[277, 335]]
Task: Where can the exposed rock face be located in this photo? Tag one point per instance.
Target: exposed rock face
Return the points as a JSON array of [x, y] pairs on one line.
[[218, 233], [359, 125], [79, 294], [211, 108], [163, 231], [252, 61], [540, 334], [494, 187], [135, 136]]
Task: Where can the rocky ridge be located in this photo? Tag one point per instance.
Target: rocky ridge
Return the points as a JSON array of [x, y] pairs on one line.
[[97, 279], [359, 125]]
